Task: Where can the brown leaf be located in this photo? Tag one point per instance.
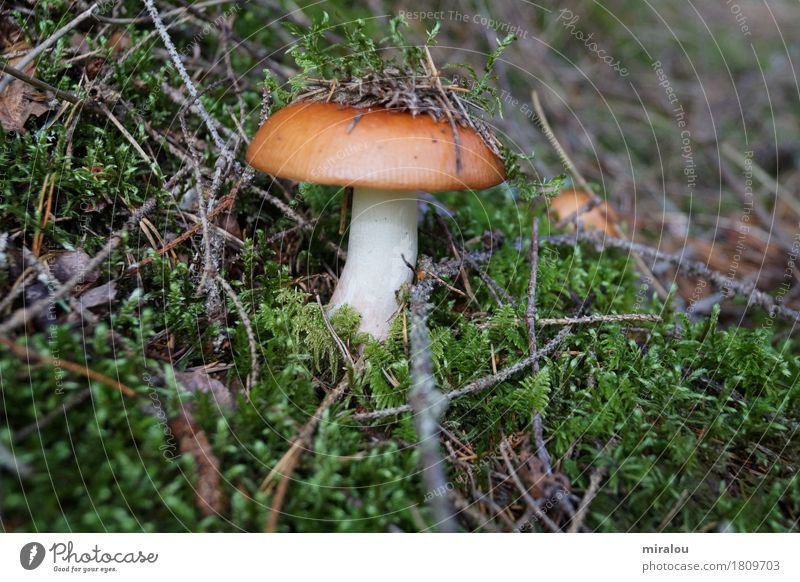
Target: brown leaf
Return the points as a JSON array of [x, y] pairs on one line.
[[228, 222], [543, 485], [97, 296], [192, 440], [200, 381], [65, 265], [119, 41], [93, 68], [20, 100]]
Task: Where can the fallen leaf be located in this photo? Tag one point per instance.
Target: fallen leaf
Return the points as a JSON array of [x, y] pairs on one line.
[[66, 265], [97, 296], [119, 41], [200, 381], [210, 498], [226, 221], [93, 68], [19, 100]]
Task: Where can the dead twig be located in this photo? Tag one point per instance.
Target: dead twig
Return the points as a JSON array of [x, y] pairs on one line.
[[290, 213], [530, 312], [530, 316], [252, 377], [601, 241], [676, 507], [63, 95], [339, 343], [584, 185], [590, 319], [284, 468], [529, 501], [562, 154], [50, 41], [594, 486], [187, 80], [481, 384], [126, 134], [225, 203], [428, 405]]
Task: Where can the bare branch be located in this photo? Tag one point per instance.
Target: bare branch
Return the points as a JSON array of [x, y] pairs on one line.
[[594, 486], [252, 377], [601, 241], [590, 319], [176, 60], [481, 384], [529, 501], [428, 405]]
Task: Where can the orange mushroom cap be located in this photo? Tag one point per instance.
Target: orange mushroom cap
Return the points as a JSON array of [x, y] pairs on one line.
[[601, 217], [327, 143]]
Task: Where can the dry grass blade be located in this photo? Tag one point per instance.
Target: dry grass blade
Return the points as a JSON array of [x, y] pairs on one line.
[[59, 363], [284, 468]]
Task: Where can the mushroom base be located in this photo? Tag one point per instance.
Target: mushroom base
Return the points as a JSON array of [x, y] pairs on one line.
[[382, 243]]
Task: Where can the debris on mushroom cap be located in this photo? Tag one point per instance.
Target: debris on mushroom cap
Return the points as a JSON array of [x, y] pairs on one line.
[[600, 217], [403, 91], [328, 143]]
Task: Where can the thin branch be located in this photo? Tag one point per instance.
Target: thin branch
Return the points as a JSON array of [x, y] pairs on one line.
[[224, 204], [562, 154], [601, 241], [284, 468], [590, 319], [339, 343], [292, 214], [762, 176], [530, 501], [428, 405], [63, 95], [126, 134], [580, 515], [187, 80], [481, 384], [530, 312], [530, 316], [252, 377], [594, 199], [59, 363], [676, 507]]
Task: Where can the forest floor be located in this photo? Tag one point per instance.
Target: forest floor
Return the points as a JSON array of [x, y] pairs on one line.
[[165, 360]]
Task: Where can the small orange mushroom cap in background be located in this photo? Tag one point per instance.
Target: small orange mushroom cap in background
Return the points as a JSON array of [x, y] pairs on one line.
[[601, 217]]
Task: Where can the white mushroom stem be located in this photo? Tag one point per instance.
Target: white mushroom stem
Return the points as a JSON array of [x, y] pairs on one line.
[[383, 232]]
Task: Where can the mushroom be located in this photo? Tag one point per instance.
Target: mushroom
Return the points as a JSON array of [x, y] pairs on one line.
[[386, 156], [601, 217]]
